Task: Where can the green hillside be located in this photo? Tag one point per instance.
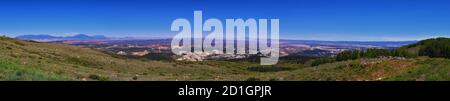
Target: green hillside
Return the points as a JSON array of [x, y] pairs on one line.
[[27, 60], [425, 60], [435, 47], [389, 69]]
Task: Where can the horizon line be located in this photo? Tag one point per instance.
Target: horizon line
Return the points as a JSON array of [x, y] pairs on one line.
[[149, 38]]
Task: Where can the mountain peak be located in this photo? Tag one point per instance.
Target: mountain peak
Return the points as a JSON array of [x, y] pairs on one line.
[[81, 35]]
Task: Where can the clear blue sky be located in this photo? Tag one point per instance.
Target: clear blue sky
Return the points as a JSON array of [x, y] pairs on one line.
[[299, 19]]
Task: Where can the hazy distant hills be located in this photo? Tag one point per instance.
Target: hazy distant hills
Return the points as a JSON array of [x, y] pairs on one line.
[[373, 44], [43, 37]]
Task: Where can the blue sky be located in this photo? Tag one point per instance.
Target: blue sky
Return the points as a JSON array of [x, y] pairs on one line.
[[361, 20]]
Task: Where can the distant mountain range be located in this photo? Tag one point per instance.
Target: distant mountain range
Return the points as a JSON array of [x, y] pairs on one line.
[[47, 38], [59, 38]]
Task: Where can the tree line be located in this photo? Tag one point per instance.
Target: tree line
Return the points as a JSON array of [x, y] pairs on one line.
[[439, 47], [372, 53], [357, 54], [434, 48]]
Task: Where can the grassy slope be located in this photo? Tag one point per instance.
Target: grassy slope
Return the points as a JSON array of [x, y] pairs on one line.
[[44, 61], [74, 63], [13, 71], [22, 60], [433, 69], [418, 69]]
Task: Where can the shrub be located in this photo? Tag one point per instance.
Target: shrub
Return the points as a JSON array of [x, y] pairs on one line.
[[98, 77]]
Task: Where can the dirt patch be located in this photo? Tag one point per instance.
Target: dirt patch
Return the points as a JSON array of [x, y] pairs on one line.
[[391, 67]]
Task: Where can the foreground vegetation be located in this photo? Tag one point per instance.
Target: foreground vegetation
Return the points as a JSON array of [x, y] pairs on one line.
[[27, 60]]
